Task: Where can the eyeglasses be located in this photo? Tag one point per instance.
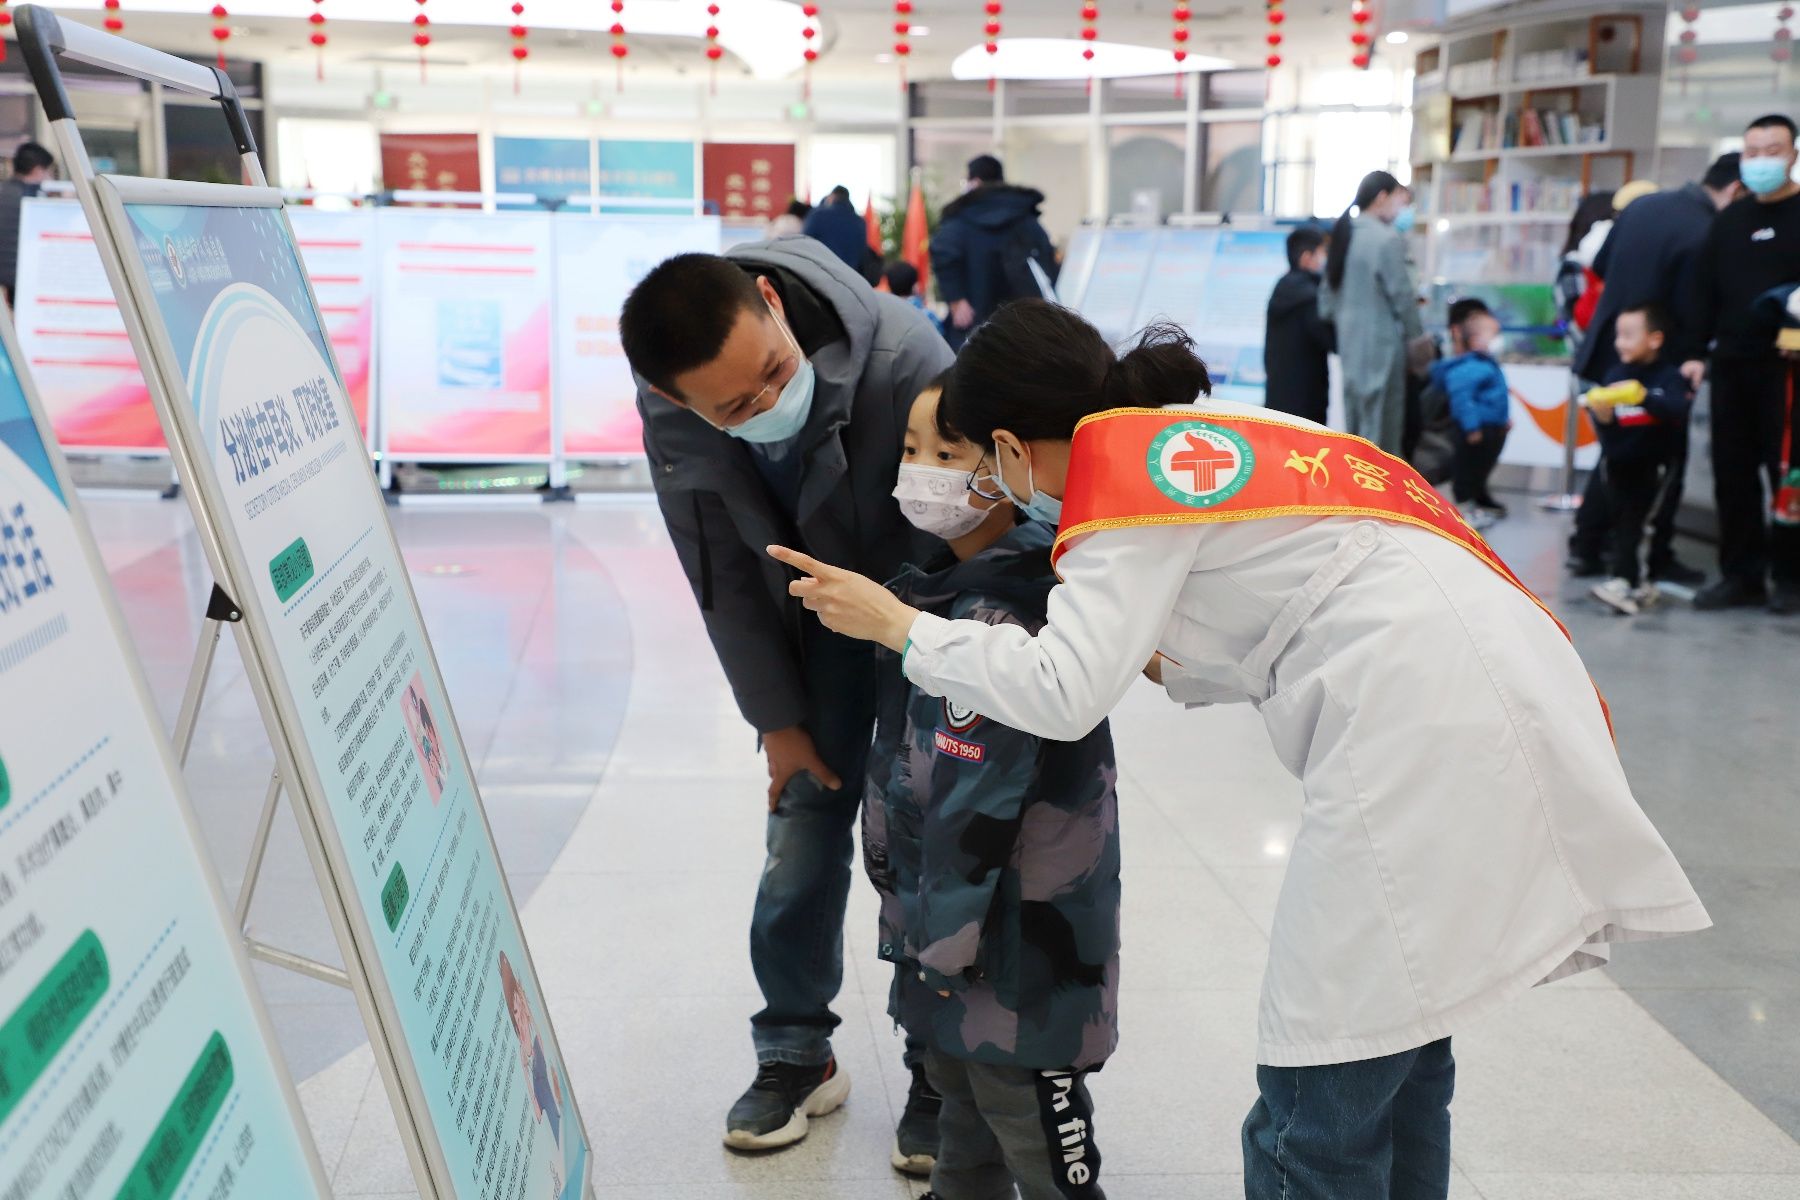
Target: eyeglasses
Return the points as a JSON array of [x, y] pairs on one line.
[[784, 371], [977, 473]]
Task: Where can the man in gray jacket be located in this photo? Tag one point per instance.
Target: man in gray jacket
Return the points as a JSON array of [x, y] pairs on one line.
[[775, 386]]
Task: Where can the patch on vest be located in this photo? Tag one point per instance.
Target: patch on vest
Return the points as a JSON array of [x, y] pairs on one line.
[[955, 747]]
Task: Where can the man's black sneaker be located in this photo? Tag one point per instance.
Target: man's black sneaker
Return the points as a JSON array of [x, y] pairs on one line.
[[916, 1137], [1585, 568], [1730, 592], [1676, 571], [1785, 599], [774, 1112]]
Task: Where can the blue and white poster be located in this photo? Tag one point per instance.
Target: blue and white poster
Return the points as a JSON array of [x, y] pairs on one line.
[[287, 486], [548, 168], [661, 172], [135, 1059]]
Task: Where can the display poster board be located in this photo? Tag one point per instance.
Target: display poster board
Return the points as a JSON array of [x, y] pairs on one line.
[[1176, 282], [1232, 320], [548, 168], [136, 1060], [1109, 301], [431, 162], [1540, 414], [72, 337], [338, 249], [1077, 266], [465, 335], [647, 170], [350, 689], [598, 261], [748, 179]]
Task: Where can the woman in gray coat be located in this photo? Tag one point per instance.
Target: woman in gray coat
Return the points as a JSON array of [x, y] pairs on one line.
[[1369, 295]]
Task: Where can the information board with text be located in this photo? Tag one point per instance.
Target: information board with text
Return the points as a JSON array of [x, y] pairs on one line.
[[338, 249]]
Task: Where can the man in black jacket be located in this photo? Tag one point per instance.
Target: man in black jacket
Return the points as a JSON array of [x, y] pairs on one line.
[[775, 387], [1297, 341], [1753, 246], [1650, 258], [980, 248]]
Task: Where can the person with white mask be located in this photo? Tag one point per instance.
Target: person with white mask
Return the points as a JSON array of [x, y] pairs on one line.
[[775, 386]]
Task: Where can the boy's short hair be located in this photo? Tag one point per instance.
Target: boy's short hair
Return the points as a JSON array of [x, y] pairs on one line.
[[1724, 171], [1301, 242], [1656, 317], [902, 278], [1468, 306], [678, 316]]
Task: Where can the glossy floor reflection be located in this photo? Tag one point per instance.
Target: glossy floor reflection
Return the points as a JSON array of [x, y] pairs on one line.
[[624, 792]]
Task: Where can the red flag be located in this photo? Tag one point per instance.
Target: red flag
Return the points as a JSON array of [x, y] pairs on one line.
[[914, 243], [873, 224]]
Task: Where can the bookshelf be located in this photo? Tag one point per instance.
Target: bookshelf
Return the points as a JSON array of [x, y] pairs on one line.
[[1513, 124]]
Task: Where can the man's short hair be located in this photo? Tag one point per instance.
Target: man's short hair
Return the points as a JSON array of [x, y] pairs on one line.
[[1773, 121], [678, 316], [1303, 241], [30, 157], [1656, 317], [902, 278], [985, 168], [1724, 171], [839, 195], [1468, 306]]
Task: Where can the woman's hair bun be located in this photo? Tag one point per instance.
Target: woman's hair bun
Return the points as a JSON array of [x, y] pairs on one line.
[[1161, 369]]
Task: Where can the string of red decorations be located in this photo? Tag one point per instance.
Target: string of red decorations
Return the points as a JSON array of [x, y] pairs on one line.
[[1688, 52], [902, 32], [221, 30], [1090, 32], [1182, 13], [520, 51], [318, 39], [1360, 16], [421, 38], [5, 20], [991, 29], [114, 22], [1782, 52], [714, 51], [1276, 17], [619, 48], [810, 52]]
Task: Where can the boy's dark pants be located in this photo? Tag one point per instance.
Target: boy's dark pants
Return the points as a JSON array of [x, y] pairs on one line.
[[1634, 493], [1474, 462], [1002, 1126]]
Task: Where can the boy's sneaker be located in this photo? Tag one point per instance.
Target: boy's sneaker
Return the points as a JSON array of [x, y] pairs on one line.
[[916, 1137], [774, 1112], [1478, 518], [1648, 596], [1618, 595]]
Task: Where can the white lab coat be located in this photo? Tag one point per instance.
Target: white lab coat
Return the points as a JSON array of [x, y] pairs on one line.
[[1467, 830]]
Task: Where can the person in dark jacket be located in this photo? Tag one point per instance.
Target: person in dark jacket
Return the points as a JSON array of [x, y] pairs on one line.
[[1650, 257], [844, 232], [1297, 341], [1640, 412], [775, 387], [982, 242], [995, 854], [31, 165]]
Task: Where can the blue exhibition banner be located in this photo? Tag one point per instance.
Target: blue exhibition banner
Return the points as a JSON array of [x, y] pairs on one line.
[[656, 171], [548, 168]]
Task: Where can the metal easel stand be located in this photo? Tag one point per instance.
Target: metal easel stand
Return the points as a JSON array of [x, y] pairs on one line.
[[1568, 499], [221, 611]]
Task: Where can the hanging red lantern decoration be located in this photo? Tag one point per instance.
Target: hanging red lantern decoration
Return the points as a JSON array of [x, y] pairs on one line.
[[421, 37], [1688, 52], [1782, 52], [520, 51], [714, 51], [1182, 13], [1090, 33], [1276, 17], [114, 22], [1360, 16], [810, 51], [619, 49], [318, 38], [902, 34], [221, 30], [992, 30], [5, 20]]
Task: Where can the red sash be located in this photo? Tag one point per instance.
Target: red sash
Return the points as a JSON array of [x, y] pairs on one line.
[[1154, 466]]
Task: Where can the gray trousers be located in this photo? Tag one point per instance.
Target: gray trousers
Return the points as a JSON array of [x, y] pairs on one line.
[[1375, 408], [1002, 1126]]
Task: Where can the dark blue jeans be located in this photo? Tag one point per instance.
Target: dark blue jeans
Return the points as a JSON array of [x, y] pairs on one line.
[[797, 928], [1372, 1130]]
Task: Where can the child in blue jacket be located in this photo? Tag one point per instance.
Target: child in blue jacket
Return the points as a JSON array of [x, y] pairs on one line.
[[1480, 406]]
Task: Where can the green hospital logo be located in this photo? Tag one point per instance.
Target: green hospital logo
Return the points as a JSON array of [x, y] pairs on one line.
[[1200, 465]]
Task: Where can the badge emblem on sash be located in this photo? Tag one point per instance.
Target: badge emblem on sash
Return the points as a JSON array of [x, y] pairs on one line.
[[1199, 464]]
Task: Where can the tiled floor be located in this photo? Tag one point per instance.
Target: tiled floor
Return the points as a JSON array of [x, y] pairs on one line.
[[625, 794]]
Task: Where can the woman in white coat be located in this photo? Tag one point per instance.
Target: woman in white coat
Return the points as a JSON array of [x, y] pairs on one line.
[[1467, 832]]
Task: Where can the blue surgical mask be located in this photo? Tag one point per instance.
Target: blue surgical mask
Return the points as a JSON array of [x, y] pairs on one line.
[[1764, 175], [784, 419], [1041, 507], [1403, 220]]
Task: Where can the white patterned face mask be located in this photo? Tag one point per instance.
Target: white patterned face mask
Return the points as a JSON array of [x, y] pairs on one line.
[[937, 500]]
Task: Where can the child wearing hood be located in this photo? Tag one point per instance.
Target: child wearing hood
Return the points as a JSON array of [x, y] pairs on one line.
[[996, 857]]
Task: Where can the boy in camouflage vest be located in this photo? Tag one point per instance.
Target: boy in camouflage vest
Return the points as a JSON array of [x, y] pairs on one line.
[[996, 856]]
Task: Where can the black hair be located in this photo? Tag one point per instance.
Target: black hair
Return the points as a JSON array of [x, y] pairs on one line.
[[985, 168], [1656, 317], [902, 278], [1723, 172], [29, 157], [1594, 208], [1035, 369], [799, 208], [1374, 185], [1773, 121], [838, 195], [1301, 242], [678, 316], [1468, 306]]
